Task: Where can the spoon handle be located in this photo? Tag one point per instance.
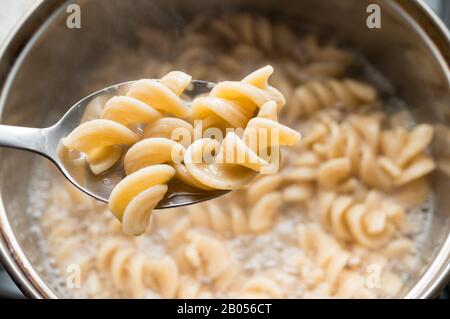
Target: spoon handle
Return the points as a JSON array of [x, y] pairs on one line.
[[24, 138]]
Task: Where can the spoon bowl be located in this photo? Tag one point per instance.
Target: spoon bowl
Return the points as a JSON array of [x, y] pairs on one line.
[[47, 142]]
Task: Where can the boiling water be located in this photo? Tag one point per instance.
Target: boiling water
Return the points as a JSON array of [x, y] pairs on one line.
[[256, 253]]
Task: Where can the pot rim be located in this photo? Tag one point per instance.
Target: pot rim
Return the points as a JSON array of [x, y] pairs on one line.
[[11, 255], [30, 282]]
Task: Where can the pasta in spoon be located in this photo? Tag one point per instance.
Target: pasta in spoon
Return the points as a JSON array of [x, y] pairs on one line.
[[228, 161]]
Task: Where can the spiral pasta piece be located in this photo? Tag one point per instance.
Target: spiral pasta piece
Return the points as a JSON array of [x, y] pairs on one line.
[[263, 213], [371, 223], [242, 98], [98, 140], [147, 165], [152, 151], [262, 186], [247, 29], [172, 128], [209, 257], [319, 94], [238, 159], [133, 272], [227, 221], [332, 259], [231, 104], [148, 172], [324, 250], [135, 196]]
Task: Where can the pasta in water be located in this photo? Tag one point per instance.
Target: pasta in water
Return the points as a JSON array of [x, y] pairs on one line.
[[340, 219], [150, 163]]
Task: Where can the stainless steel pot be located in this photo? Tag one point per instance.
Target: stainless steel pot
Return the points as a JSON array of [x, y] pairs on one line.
[[44, 62]]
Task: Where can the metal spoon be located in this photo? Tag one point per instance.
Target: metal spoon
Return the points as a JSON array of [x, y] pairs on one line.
[[47, 142]]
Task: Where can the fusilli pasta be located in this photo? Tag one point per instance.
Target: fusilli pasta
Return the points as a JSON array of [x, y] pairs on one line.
[[152, 162], [100, 139], [131, 271], [338, 220]]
